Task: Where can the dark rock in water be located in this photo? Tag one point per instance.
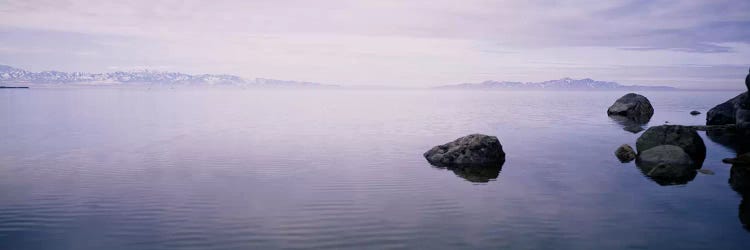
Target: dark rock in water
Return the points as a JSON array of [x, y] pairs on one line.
[[667, 165], [743, 159], [743, 119], [474, 150], [633, 106], [726, 113], [676, 135], [695, 112], [625, 153]]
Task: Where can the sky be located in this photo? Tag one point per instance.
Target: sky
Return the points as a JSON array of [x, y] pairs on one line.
[[688, 44]]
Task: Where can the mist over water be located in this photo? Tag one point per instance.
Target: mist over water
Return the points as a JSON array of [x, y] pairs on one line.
[[106, 168]]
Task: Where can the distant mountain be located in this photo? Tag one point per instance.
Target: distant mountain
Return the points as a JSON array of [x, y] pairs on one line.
[[561, 84], [10, 75]]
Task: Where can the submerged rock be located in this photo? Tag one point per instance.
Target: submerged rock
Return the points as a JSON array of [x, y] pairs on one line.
[[695, 112], [706, 171], [667, 165], [474, 150], [683, 137], [633, 106], [625, 153]]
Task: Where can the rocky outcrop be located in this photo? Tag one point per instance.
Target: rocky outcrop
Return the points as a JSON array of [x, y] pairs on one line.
[[734, 111], [633, 106], [474, 150], [683, 137], [667, 164], [625, 153], [724, 113], [695, 112]]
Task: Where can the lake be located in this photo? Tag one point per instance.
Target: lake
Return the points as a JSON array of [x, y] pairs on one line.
[[139, 168]]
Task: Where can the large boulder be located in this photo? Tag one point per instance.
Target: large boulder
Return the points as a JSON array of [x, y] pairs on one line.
[[633, 106], [675, 135], [724, 113], [667, 164], [468, 151], [734, 111]]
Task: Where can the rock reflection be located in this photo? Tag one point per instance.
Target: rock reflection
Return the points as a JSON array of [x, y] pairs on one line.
[[739, 142], [477, 174], [666, 174], [631, 124], [739, 180], [745, 213]]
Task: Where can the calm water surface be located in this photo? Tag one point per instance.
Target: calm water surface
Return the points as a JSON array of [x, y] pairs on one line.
[[107, 168]]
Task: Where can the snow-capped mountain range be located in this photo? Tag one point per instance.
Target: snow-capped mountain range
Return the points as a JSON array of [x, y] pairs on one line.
[[561, 84], [15, 76]]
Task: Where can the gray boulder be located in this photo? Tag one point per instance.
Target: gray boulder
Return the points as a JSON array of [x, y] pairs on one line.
[[468, 151], [684, 137], [633, 106], [625, 153], [667, 164], [726, 113]]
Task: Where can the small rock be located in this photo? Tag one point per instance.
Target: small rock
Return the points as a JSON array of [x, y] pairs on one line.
[[695, 112], [625, 153], [705, 171]]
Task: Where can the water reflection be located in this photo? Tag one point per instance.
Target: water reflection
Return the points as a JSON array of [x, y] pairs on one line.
[[631, 124], [739, 174], [745, 213], [477, 174], [666, 175], [739, 180], [733, 140]]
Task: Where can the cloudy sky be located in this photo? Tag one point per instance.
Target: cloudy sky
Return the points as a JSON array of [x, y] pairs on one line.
[[694, 44]]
